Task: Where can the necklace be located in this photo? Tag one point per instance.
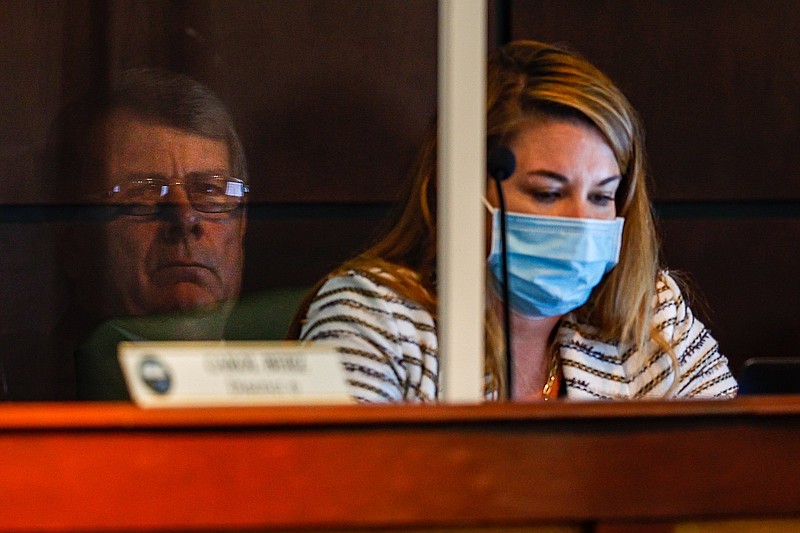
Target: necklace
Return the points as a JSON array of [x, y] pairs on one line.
[[550, 386]]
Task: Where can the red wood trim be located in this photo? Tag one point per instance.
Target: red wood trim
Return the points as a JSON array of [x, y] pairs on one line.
[[80, 467], [123, 415]]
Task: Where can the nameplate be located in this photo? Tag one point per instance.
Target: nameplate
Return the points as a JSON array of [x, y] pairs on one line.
[[204, 374]]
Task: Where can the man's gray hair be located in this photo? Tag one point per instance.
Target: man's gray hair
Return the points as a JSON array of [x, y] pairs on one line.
[[154, 95]]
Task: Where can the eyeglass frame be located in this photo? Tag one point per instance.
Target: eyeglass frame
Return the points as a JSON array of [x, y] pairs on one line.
[[143, 209]]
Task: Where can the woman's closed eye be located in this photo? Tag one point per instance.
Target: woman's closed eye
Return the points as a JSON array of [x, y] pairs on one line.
[[601, 198], [547, 196]]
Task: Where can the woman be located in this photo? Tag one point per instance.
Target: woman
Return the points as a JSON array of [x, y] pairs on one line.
[[603, 322]]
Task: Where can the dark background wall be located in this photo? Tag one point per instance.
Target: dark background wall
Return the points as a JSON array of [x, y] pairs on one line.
[[718, 86], [331, 98]]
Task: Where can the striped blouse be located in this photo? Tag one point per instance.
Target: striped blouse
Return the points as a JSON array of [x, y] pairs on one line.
[[389, 348]]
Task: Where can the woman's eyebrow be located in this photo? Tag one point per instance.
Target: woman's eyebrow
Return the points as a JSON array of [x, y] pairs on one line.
[[549, 174], [610, 179]]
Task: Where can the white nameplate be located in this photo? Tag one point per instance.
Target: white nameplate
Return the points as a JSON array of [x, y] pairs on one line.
[[193, 374]]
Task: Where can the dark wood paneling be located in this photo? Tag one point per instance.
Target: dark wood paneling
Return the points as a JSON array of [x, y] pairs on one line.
[[288, 246], [31, 39], [715, 81], [32, 300], [746, 268], [331, 98], [145, 34]]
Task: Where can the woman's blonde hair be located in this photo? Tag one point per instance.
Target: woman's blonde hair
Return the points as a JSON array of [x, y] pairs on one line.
[[528, 80]]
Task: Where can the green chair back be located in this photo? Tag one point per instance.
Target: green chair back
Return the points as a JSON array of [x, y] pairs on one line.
[[265, 315]]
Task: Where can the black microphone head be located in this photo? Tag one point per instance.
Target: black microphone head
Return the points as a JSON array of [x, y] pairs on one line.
[[500, 162]]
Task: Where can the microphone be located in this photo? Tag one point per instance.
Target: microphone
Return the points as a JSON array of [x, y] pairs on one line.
[[501, 164]]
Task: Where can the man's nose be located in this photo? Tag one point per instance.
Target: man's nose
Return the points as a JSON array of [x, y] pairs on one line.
[[178, 209]]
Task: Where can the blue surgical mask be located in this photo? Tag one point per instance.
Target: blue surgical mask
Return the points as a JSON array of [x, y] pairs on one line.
[[554, 263]]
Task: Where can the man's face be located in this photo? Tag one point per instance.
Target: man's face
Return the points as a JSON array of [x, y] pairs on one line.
[[178, 259]]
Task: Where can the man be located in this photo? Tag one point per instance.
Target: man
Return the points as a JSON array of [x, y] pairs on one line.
[[176, 244], [161, 151], [158, 157]]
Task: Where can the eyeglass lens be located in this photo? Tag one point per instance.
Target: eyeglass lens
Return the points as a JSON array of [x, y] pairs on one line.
[[206, 193]]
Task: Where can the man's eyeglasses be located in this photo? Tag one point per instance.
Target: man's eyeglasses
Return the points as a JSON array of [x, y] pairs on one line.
[[208, 193]]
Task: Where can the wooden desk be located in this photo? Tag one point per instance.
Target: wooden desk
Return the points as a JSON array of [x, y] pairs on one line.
[[94, 466]]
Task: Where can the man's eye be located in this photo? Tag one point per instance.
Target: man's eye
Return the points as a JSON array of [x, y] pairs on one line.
[[210, 188], [143, 189]]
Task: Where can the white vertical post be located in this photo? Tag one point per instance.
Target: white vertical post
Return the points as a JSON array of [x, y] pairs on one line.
[[462, 177]]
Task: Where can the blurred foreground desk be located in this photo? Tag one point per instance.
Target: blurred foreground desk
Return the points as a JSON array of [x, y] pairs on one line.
[[91, 467]]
